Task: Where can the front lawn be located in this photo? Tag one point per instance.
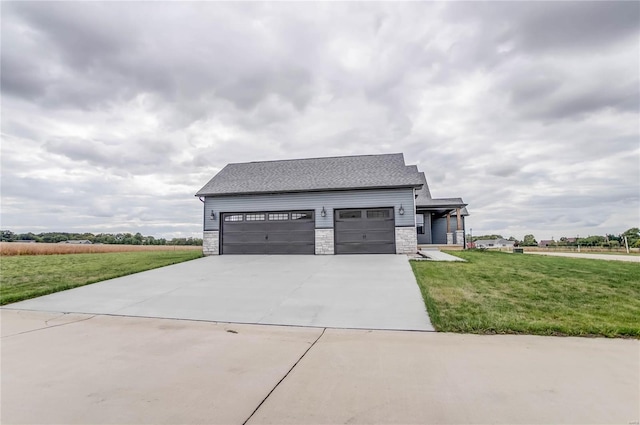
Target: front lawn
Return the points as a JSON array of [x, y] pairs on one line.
[[29, 276], [496, 292]]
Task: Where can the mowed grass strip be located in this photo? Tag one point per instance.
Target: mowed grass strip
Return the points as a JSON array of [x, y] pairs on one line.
[[28, 276], [496, 292]]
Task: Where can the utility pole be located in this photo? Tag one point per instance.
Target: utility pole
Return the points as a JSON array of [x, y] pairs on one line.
[[626, 244]]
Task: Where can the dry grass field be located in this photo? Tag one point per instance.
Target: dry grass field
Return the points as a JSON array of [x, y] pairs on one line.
[[17, 248]]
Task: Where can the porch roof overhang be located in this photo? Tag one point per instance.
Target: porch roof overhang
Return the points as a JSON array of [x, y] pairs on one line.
[[440, 203], [442, 206], [438, 211]]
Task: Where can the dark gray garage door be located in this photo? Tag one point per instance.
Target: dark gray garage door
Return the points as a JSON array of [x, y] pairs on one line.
[[365, 231], [281, 232]]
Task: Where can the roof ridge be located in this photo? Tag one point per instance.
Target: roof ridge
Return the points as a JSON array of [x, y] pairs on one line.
[[308, 174], [318, 157]]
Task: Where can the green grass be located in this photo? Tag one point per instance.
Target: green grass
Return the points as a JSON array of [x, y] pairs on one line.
[[497, 292], [28, 276]]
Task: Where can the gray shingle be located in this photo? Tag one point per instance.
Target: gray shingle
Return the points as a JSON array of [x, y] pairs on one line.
[[313, 174], [424, 192], [424, 199]]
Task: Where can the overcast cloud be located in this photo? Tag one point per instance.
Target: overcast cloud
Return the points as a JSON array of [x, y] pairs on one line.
[[115, 114]]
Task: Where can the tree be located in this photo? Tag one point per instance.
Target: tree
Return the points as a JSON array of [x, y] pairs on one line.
[[611, 237], [592, 241], [7, 236], [102, 238], [88, 236], [633, 237], [485, 237], [529, 240]]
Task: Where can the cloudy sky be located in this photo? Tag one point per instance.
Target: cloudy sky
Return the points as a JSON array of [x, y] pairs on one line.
[[114, 114]]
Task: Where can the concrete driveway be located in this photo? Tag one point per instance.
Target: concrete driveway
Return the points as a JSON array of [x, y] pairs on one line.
[[83, 369], [354, 291]]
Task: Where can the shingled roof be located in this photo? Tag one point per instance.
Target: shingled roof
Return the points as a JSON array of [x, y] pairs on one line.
[[423, 193], [424, 199], [313, 174]]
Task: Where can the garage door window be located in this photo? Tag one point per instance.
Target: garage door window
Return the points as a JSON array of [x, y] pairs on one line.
[[383, 214], [278, 216], [301, 216], [234, 217], [350, 214], [255, 217]]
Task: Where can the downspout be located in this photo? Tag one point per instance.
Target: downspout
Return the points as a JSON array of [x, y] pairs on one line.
[[415, 218], [464, 234], [204, 213]]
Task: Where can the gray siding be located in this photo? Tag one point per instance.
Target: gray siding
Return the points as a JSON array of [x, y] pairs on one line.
[[314, 200]]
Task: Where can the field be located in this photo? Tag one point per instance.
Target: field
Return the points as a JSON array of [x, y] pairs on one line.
[[29, 276], [17, 248], [584, 249], [497, 292]]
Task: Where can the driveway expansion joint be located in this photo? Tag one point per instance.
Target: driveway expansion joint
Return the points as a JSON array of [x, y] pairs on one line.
[[284, 377], [49, 326], [148, 299]]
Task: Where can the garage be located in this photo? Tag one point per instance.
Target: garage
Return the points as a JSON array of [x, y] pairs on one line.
[[358, 204], [275, 232], [365, 231]]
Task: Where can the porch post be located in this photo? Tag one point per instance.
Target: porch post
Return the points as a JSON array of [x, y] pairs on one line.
[[449, 233], [459, 229]]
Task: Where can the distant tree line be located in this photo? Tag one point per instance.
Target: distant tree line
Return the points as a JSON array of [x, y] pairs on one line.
[[606, 241], [105, 238]]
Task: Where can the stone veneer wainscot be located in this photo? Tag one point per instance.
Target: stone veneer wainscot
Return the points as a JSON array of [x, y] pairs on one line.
[[211, 242], [406, 240], [324, 242]]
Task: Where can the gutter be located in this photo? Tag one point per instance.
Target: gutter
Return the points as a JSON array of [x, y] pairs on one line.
[[201, 194]]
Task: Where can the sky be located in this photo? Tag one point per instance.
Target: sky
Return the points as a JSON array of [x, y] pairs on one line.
[[114, 114]]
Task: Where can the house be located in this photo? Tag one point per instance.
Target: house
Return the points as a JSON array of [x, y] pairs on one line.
[[493, 243], [336, 205], [546, 243], [77, 242], [436, 218]]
